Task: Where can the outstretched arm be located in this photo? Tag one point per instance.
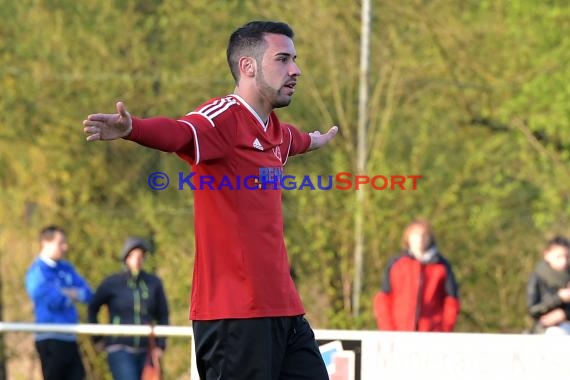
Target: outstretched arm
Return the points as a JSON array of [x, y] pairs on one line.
[[164, 134], [318, 140], [101, 126]]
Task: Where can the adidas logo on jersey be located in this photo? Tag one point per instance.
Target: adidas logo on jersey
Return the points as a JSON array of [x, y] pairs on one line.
[[257, 144]]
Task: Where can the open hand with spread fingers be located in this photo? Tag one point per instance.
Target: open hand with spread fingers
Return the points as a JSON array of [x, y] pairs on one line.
[[102, 126]]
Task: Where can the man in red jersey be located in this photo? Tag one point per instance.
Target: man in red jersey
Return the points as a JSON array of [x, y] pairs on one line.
[[246, 313]]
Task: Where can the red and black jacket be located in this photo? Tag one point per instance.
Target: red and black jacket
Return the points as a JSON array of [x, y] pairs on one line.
[[416, 296]]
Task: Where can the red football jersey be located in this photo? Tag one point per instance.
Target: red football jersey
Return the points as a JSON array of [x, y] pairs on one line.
[[241, 267]]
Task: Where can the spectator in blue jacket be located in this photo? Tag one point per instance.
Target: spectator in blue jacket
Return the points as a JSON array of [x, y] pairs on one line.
[[133, 297], [55, 287]]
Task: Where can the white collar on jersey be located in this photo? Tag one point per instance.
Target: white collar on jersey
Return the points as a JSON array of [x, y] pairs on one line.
[[250, 108], [49, 262]]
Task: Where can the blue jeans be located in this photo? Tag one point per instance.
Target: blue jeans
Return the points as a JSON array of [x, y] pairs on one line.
[[125, 365]]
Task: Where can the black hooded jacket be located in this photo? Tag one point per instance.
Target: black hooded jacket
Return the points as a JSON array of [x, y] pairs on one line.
[[542, 289], [137, 300]]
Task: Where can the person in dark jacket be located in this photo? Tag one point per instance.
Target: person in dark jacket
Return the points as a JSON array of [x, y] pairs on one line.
[[418, 291], [135, 297], [548, 290]]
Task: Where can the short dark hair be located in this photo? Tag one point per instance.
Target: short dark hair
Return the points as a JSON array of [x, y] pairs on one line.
[[48, 233], [558, 241], [248, 40]]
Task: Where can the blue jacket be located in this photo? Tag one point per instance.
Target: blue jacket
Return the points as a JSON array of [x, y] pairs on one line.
[[45, 281]]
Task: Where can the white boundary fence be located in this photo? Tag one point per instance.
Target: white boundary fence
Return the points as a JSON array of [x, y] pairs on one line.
[[96, 329], [106, 329], [400, 356], [457, 356]]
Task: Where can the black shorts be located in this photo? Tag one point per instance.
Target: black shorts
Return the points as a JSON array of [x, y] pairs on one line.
[[278, 348], [60, 360]]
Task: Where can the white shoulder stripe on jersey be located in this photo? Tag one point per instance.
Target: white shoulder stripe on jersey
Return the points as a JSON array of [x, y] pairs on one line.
[[221, 110], [196, 144], [212, 106], [210, 111], [204, 110], [204, 116]]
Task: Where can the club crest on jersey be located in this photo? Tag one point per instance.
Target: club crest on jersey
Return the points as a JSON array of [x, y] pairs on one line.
[[257, 145], [277, 152]]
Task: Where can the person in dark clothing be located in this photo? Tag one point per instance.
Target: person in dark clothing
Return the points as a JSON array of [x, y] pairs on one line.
[[548, 290], [419, 291], [132, 296]]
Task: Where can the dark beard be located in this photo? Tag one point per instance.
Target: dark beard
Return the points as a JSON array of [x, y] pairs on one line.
[[281, 104], [275, 102]]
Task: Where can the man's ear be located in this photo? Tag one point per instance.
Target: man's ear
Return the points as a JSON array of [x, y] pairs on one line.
[[247, 66]]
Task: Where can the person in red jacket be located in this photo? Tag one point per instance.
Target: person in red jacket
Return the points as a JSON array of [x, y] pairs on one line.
[[418, 291]]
